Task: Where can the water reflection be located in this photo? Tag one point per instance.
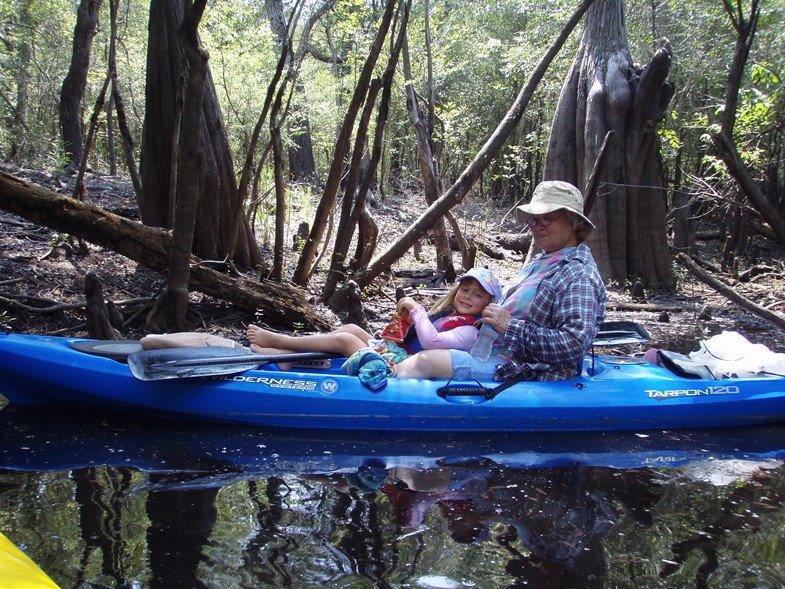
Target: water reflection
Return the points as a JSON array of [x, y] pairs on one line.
[[107, 502]]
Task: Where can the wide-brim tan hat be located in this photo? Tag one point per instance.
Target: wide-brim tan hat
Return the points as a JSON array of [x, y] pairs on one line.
[[553, 195]]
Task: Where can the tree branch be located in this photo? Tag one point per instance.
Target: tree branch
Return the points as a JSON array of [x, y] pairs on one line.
[[455, 194], [725, 290]]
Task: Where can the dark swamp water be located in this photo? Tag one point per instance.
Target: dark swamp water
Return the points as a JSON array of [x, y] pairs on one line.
[[100, 501]]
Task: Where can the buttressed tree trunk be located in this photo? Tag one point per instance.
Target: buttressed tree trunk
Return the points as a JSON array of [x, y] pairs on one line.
[[215, 220], [604, 91], [169, 311]]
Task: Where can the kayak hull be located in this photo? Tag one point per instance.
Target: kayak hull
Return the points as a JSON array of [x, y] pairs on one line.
[[36, 438], [612, 393]]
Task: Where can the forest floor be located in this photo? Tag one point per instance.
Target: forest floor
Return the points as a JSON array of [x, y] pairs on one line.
[[42, 277]]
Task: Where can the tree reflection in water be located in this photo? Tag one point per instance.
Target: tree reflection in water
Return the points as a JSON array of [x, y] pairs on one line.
[[113, 504]]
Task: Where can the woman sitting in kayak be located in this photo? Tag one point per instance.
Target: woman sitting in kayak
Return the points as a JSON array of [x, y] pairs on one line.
[[549, 313], [449, 324]]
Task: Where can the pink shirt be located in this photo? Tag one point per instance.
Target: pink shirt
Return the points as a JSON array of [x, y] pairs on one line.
[[460, 338]]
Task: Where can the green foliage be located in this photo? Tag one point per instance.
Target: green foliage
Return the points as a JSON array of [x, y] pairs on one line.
[[302, 198], [243, 57], [46, 29], [40, 30], [760, 111], [482, 53]]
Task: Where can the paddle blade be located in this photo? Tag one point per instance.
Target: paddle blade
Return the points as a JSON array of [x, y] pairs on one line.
[[619, 333], [192, 362], [209, 361]]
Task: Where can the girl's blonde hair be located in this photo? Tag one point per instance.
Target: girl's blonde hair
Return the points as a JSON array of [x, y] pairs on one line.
[[446, 302]]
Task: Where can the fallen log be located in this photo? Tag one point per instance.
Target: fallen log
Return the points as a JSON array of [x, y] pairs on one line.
[[728, 292], [276, 304], [649, 307]]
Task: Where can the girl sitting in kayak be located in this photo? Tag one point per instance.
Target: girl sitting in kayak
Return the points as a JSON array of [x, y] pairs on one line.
[[551, 311], [449, 325]]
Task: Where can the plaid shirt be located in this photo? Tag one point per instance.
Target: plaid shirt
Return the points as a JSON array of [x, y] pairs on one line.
[[563, 320]]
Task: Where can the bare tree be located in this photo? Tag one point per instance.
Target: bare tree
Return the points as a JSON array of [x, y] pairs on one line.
[[455, 193], [75, 81], [342, 145], [422, 121], [355, 214], [21, 78], [118, 104], [745, 27], [301, 160], [288, 64]]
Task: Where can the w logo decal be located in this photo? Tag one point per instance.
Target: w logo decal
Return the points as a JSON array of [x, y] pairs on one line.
[[329, 386]]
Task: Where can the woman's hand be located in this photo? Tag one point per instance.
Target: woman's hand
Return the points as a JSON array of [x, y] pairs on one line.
[[497, 316]]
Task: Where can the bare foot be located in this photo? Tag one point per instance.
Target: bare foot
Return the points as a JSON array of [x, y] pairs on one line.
[[261, 337], [267, 351]]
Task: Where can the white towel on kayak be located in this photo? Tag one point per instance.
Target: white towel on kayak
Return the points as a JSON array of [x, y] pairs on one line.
[[730, 354]]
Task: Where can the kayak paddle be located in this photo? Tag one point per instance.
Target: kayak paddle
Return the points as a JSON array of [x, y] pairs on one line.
[[210, 361], [619, 333]]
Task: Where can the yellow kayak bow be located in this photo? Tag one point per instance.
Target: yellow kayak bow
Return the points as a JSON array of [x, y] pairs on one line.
[[17, 571]]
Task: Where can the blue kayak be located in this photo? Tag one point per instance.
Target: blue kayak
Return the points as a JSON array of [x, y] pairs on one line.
[[612, 393]]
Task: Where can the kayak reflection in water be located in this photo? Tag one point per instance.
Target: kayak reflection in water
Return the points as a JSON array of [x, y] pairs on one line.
[[538, 515]]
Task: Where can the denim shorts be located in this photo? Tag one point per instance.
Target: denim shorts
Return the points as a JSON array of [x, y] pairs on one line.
[[464, 367]]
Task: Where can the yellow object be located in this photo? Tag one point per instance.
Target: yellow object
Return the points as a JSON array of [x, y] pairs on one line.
[[17, 571]]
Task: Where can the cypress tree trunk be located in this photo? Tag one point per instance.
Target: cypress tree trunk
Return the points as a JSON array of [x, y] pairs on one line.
[[169, 311], [215, 220], [605, 92]]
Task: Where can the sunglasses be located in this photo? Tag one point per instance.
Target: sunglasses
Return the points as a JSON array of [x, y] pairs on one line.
[[544, 221]]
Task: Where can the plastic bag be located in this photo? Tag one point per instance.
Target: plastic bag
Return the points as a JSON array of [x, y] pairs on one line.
[[730, 354], [395, 330]]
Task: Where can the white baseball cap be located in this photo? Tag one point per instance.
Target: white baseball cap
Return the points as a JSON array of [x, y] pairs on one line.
[[487, 280]]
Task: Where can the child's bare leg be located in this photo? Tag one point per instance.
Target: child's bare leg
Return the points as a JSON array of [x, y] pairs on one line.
[[270, 351], [339, 342], [274, 352], [426, 364], [355, 330]]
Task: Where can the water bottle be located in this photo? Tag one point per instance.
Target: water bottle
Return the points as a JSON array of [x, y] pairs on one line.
[[481, 350]]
